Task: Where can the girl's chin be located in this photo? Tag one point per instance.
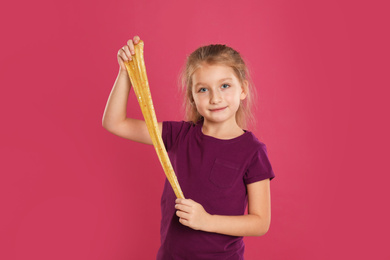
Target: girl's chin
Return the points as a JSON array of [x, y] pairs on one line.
[[216, 120]]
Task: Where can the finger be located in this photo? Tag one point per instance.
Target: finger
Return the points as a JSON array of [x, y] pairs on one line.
[[127, 51], [180, 201], [182, 214], [122, 55], [184, 202], [184, 208], [136, 39], [131, 46], [188, 202], [184, 222]]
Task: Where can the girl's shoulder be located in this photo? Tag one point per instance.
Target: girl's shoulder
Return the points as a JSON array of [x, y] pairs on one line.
[[172, 125], [252, 139], [176, 128]]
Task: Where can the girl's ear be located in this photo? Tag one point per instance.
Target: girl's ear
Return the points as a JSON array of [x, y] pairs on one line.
[[244, 90]]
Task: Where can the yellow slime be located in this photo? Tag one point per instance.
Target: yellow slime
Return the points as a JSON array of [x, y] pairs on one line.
[[139, 81]]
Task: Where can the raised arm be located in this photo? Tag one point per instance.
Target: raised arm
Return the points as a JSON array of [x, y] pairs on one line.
[[114, 118]]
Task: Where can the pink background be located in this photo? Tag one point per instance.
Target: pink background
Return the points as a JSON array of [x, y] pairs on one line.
[[71, 190]]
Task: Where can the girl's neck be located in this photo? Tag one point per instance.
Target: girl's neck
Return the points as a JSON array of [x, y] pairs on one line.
[[226, 130]]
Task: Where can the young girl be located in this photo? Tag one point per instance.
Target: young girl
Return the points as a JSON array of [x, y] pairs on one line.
[[221, 168]]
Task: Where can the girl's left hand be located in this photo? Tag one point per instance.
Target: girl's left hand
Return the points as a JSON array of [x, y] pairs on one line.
[[192, 214]]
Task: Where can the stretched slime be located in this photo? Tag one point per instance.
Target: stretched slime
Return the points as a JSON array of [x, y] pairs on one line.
[[139, 80]]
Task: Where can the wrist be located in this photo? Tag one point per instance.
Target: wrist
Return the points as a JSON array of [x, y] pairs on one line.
[[209, 224], [122, 73]]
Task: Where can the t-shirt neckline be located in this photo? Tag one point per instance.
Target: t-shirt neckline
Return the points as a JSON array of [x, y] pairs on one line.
[[199, 126]]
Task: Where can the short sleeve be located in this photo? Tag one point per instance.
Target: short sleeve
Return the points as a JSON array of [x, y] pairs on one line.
[[170, 132], [260, 167]]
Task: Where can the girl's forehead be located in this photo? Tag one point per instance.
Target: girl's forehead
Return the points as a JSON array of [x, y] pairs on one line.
[[210, 73]]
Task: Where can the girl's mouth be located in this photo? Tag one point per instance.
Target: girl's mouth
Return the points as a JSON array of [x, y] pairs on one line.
[[217, 109]]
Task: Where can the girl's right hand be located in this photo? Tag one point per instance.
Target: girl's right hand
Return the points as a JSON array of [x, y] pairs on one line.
[[125, 53]]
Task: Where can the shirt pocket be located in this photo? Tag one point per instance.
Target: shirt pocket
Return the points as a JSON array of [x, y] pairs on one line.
[[224, 173]]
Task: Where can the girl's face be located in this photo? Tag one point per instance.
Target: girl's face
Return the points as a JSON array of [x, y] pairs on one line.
[[217, 93]]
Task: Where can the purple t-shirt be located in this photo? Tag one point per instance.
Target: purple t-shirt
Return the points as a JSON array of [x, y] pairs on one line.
[[214, 173]]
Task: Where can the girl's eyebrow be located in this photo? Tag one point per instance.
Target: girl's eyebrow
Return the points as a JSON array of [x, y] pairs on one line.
[[200, 83]]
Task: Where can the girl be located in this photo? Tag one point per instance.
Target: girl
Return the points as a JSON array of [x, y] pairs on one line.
[[221, 168]]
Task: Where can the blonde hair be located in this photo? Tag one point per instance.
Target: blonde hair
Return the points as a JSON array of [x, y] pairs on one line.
[[218, 54]]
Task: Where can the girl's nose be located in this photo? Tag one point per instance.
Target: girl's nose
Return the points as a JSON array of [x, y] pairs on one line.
[[215, 98]]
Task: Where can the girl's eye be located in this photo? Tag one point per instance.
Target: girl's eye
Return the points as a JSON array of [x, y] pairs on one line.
[[202, 89], [225, 86]]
